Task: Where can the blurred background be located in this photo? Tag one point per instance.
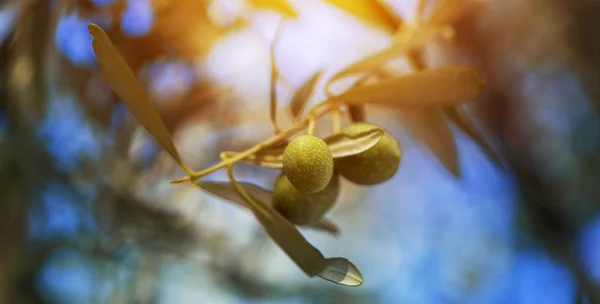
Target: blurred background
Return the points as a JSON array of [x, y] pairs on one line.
[[88, 216]]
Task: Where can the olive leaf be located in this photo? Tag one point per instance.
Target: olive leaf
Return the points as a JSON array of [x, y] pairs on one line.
[[411, 39], [291, 241], [269, 157], [372, 12], [343, 145], [431, 130], [342, 271], [278, 6], [325, 225], [461, 119], [274, 76], [117, 73], [226, 191], [302, 95], [433, 87]]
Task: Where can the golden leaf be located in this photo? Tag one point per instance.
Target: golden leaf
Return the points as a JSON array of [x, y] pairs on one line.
[[302, 95], [278, 6], [431, 130], [226, 191], [124, 83], [371, 12], [434, 87], [461, 119], [343, 145]]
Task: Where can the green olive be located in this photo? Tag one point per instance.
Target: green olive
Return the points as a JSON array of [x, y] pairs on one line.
[[374, 166], [308, 163], [303, 208]]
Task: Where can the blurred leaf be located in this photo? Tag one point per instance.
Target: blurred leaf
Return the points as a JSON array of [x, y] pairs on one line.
[[448, 11], [278, 6], [433, 87], [326, 226], [431, 130], [342, 271], [461, 119], [409, 39], [357, 113], [371, 12], [122, 80], [343, 145], [302, 95], [274, 76], [226, 191]]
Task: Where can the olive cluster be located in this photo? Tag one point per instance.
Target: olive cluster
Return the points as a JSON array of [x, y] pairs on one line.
[[310, 183]]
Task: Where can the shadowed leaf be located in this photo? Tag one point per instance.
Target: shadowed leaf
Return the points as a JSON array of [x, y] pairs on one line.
[[302, 95], [342, 271], [226, 191], [343, 145], [462, 120], [357, 113], [371, 12], [278, 6], [434, 87], [431, 130], [285, 234], [326, 226], [124, 83]]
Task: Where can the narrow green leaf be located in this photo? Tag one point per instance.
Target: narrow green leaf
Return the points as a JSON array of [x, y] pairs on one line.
[[278, 6], [443, 86], [461, 119], [343, 145], [302, 95], [117, 73], [431, 130], [342, 271]]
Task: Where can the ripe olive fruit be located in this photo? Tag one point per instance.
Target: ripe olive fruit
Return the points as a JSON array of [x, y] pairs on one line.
[[308, 163], [300, 207], [374, 166]]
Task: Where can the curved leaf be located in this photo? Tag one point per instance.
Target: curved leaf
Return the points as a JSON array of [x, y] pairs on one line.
[[343, 145], [431, 130], [117, 73], [274, 76], [269, 158], [461, 119], [372, 12], [433, 87], [410, 39], [226, 191], [326, 226], [278, 6], [342, 271], [302, 95]]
